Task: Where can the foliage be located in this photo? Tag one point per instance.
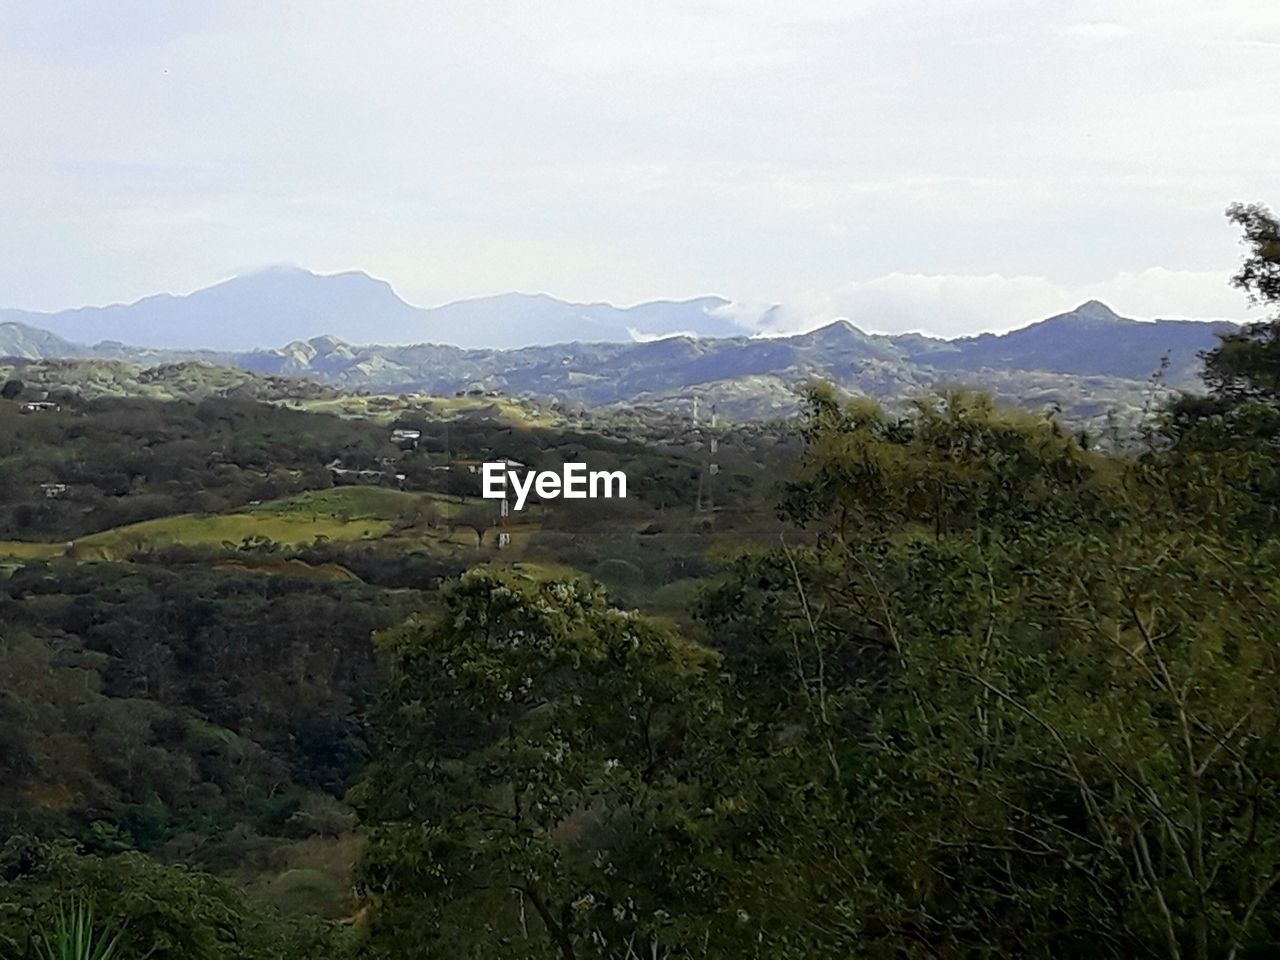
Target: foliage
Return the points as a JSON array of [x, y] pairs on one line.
[[1245, 365], [1023, 731], [995, 692], [74, 937], [153, 911], [1221, 463], [191, 713], [955, 463], [540, 789], [127, 461]]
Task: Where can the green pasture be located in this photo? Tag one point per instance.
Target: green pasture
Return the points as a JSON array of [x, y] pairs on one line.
[[23, 550], [341, 513]]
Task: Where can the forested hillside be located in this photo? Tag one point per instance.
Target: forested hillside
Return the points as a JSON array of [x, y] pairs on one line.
[[940, 681]]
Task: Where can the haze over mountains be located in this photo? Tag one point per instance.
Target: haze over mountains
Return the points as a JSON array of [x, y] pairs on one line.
[[281, 304], [1088, 361]]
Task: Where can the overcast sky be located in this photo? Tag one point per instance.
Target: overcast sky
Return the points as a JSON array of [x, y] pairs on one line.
[[941, 165]]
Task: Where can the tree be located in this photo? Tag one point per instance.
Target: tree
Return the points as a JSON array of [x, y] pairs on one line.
[[541, 785], [477, 517], [1041, 722], [1225, 447], [1259, 275], [1246, 364], [955, 462], [1081, 736]]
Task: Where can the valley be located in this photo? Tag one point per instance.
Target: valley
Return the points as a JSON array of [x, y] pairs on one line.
[[227, 596], [662, 481]]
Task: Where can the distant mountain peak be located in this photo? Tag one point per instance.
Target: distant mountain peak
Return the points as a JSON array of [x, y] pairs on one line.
[[837, 331], [1095, 310], [290, 279]]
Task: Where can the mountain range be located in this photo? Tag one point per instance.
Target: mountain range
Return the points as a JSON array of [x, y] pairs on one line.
[[1088, 363], [282, 304]]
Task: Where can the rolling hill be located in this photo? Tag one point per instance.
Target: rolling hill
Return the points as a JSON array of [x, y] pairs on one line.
[[1086, 362]]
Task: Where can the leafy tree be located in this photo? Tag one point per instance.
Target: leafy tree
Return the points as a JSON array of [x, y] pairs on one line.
[[1016, 731], [1246, 364], [1222, 463], [956, 462], [540, 786]]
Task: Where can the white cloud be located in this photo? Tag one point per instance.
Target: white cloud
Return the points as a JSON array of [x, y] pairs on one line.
[[639, 336], [952, 305]]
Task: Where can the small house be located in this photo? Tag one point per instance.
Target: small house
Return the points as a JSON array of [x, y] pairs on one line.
[[406, 439]]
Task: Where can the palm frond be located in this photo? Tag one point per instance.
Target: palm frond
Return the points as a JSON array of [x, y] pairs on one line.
[[73, 937]]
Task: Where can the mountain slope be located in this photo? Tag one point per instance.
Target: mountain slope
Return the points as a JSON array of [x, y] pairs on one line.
[[522, 320], [1090, 340], [283, 304], [94, 378], [273, 305], [21, 340], [1086, 362]]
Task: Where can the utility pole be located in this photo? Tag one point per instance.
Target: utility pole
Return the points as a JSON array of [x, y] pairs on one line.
[[712, 466], [504, 521]]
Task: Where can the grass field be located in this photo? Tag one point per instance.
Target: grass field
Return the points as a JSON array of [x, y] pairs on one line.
[[23, 550], [347, 504], [378, 503], [342, 513], [229, 528]]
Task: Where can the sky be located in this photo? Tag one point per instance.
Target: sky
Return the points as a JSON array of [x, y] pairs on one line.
[[947, 166]]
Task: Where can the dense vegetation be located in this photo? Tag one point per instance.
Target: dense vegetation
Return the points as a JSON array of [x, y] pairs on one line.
[[127, 460], [993, 693], [998, 695]]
